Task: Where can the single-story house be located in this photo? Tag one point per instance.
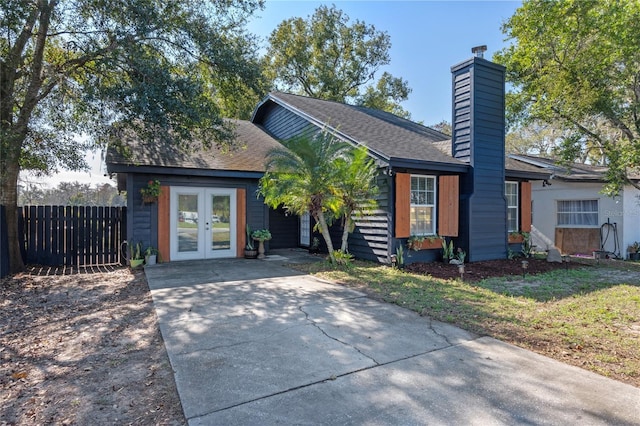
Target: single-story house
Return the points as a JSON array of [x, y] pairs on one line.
[[570, 212], [459, 188]]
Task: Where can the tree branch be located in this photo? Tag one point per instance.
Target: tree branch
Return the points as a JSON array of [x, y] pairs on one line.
[[578, 125], [31, 97]]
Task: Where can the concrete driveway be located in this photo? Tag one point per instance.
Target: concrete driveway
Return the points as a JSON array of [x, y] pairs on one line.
[[254, 342]]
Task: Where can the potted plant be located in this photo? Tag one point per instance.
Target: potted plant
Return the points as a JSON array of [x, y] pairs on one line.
[[261, 235], [151, 192], [314, 248], [151, 255], [136, 258], [634, 251], [423, 242], [415, 242], [515, 237], [250, 252]]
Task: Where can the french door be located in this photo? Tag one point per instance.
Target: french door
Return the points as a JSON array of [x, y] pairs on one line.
[[203, 223]]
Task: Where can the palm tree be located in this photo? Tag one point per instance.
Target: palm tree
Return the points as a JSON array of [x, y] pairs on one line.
[[357, 189], [304, 177]]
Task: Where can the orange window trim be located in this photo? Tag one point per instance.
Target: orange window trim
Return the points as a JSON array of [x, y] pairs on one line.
[[448, 205], [403, 205], [163, 222], [241, 212], [525, 206]]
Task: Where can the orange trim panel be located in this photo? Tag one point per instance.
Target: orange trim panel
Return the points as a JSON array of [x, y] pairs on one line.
[[164, 207], [448, 205], [403, 205], [241, 213]]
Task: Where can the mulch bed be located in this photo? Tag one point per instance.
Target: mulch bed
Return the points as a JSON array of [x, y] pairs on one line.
[[477, 271]]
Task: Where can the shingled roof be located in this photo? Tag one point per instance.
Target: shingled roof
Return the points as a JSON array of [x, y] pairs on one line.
[[383, 133], [513, 168], [574, 172], [251, 147]]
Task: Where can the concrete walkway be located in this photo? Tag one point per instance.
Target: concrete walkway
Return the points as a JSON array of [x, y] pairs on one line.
[[254, 342]]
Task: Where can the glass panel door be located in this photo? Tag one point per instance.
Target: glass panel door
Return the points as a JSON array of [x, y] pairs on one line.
[[221, 235], [203, 223], [221, 227], [186, 230]]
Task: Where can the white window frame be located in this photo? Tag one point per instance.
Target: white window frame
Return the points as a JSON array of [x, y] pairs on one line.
[[413, 225], [574, 214], [516, 207]]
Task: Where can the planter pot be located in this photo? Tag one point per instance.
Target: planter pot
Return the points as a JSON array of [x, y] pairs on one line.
[[634, 256], [261, 250], [250, 254], [429, 244], [134, 263], [150, 259], [148, 199], [516, 239]]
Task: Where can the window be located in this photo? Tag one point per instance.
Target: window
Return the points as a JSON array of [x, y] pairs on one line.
[[577, 213], [511, 194], [423, 205]]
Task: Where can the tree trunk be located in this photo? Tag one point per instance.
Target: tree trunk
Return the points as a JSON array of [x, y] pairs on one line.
[[324, 230], [9, 199], [348, 222]]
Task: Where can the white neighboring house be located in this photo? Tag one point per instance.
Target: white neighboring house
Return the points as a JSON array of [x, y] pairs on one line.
[[570, 212]]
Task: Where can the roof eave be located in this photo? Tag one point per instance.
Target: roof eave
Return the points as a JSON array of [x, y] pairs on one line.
[[522, 174], [179, 171], [411, 163]]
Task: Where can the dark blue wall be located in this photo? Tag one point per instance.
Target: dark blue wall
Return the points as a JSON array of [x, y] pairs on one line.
[[478, 138], [142, 219], [371, 236], [284, 229], [282, 124]]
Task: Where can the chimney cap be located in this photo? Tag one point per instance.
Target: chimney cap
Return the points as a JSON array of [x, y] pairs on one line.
[[478, 51]]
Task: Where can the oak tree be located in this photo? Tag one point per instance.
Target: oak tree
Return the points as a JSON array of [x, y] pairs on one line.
[[328, 57], [577, 63], [158, 68]]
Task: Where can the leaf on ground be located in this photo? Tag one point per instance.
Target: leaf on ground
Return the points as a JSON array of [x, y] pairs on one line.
[[19, 375]]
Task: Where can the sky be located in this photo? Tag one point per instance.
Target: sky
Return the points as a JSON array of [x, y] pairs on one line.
[[427, 38]]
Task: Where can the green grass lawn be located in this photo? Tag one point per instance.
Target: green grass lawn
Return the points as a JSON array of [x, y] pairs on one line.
[[589, 317]]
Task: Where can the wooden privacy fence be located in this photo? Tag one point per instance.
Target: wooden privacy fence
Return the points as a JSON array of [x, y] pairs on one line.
[[73, 235]]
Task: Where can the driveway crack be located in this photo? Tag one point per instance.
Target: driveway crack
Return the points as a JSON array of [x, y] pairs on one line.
[[316, 325], [442, 335]]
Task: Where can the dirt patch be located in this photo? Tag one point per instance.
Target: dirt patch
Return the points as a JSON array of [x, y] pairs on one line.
[[477, 271], [83, 347]]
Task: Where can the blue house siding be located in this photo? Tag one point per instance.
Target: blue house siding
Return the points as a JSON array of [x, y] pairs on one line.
[[370, 239], [142, 219], [371, 236], [282, 124], [284, 229], [478, 138]]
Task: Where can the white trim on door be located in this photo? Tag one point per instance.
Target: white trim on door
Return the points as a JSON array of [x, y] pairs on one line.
[[193, 223]]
